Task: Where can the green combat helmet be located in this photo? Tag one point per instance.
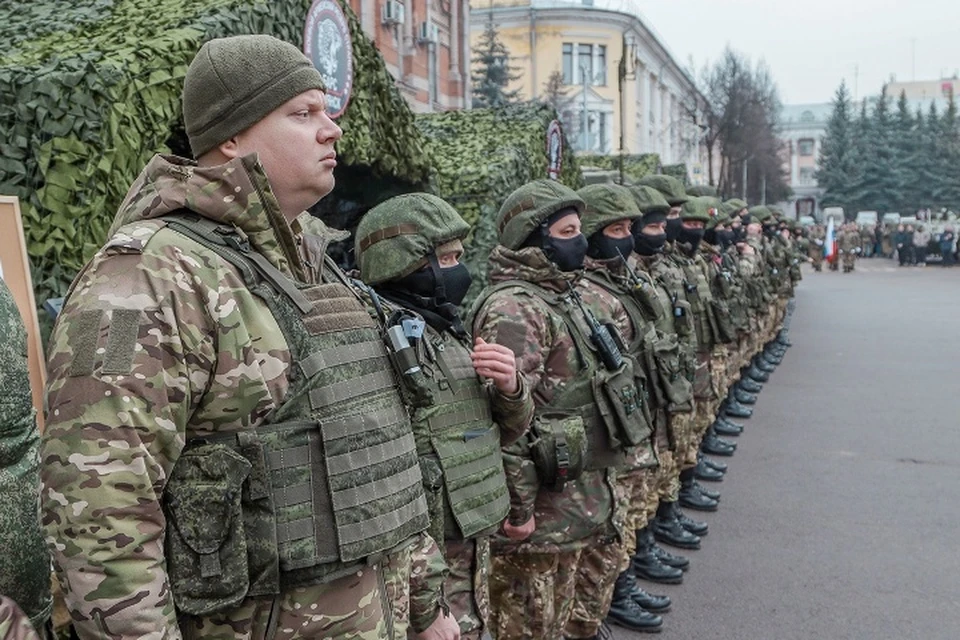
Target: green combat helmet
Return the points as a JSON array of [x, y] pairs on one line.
[[530, 205], [606, 204], [721, 217], [649, 200], [698, 190], [734, 205], [395, 238], [699, 209], [671, 188], [760, 213]]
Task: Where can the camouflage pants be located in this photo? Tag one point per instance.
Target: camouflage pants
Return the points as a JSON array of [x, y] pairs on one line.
[[849, 259], [600, 564], [639, 488], [531, 594], [360, 606], [468, 585], [683, 426]]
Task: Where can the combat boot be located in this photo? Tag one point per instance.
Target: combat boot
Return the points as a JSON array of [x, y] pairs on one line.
[[695, 527], [625, 612], [744, 397], [710, 493], [763, 364], [749, 385], [705, 472], [713, 464], [667, 529], [648, 601], [714, 446], [755, 373], [735, 409], [670, 559], [692, 498], [728, 422], [647, 565], [726, 429], [773, 355], [783, 338]]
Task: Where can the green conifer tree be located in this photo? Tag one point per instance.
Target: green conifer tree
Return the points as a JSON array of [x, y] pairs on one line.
[[906, 150], [947, 187], [838, 170], [492, 72], [880, 183]]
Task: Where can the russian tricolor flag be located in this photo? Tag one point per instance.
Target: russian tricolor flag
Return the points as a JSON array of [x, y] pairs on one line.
[[830, 244]]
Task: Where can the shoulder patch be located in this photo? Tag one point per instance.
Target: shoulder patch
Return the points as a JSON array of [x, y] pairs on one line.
[[133, 237]]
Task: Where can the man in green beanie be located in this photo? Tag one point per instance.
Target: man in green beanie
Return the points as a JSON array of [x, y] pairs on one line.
[[209, 375], [467, 398], [562, 475]]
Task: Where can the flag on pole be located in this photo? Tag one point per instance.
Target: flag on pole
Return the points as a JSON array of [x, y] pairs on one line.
[[830, 244]]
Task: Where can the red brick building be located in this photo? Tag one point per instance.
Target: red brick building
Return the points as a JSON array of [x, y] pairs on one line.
[[426, 45]]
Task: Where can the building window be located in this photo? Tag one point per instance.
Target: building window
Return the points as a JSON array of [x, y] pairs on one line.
[[600, 66], [805, 147], [568, 63], [807, 176], [585, 63]]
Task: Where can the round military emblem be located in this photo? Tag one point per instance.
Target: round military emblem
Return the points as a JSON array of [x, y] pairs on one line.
[[554, 150], [326, 41]]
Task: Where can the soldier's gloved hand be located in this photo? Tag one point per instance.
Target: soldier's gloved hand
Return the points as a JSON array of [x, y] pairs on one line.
[[443, 628], [497, 362], [522, 532]]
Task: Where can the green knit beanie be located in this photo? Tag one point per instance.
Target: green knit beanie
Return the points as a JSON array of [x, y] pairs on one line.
[[233, 83]]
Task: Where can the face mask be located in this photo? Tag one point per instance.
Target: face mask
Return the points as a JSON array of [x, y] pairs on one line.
[[691, 237], [567, 254], [770, 232], [745, 220], [726, 237], [456, 280], [673, 228], [650, 245], [603, 247]]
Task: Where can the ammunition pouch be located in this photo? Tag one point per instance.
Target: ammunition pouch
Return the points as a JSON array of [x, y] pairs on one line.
[[674, 388], [683, 318], [724, 322], [622, 405], [558, 447]]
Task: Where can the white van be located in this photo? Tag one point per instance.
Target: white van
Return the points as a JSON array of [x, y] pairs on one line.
[[867, 217]]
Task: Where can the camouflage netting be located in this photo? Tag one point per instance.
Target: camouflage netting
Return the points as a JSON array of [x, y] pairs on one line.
[[90, 90], [634, 166], [480, 157]]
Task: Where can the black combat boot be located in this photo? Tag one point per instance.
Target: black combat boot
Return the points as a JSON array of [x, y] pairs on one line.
[[645, 563], [670, 559], [731, 407], [763, 364], [755, 372], [650, 602], [625, 612], [710, 493], [667, 529], [692, 498], [726, 429], [743, 397], [714, 446], [727, 422], [710, 462], [693, 526], [783, 338], [721, 441], [705, 472], [749, 384], [773, 355]]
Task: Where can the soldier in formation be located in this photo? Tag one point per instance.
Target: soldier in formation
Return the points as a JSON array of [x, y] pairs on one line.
[[849, 245], [244, 440]]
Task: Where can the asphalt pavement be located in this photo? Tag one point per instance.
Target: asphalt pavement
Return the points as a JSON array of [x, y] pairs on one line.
[[840, 515]]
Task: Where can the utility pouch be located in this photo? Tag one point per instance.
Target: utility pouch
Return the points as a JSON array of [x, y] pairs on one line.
[[558, 446], [726, 331], [206, 549], [683, 318], [622, 407], [673, 382]]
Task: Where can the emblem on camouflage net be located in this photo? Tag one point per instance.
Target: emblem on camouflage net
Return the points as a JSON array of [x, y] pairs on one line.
[[326, 41], [554, 150]]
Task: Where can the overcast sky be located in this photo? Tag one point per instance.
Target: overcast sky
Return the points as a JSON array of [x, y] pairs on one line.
[[811, 45]]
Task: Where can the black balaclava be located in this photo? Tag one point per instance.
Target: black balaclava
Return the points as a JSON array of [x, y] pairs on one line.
[[674, 225], [691, 237], [647, 245], [434, 292], [770, 231], [566, 253], [603, 247], [726, 237]]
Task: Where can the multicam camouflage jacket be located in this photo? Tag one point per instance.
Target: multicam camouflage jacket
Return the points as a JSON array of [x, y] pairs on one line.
[[25, 563], [14, 623], [161, 342], [547, 355]]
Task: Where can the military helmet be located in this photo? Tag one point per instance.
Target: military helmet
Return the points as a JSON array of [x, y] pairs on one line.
[[606, 204], [720, 216], [396, 237], [760, 213], [530, 205], [733, 205], [671, 188], [649, 200], [701, 190], [699, 208]]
